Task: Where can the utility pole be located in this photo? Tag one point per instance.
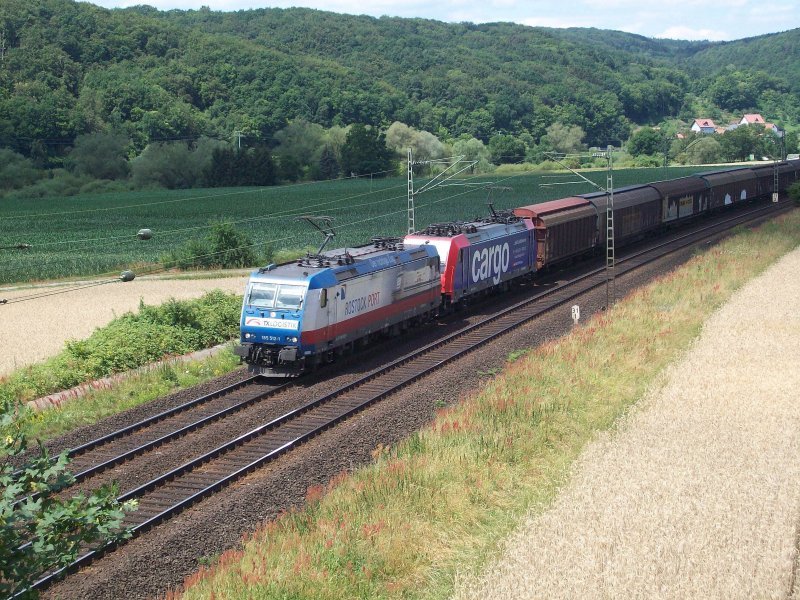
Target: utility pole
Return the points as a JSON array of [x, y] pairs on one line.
[[411, 226], [2, 47], [237, 133], [611, 286], [438, 180], [611, 291]]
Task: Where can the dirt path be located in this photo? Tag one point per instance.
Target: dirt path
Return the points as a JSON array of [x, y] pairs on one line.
[[698, 494], [33, 330]]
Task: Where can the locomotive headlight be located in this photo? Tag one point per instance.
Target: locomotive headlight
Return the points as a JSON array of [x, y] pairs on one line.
[[247, 336]]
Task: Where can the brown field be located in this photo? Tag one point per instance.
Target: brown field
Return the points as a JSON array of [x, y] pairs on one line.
[[37, 329], [697, 494]]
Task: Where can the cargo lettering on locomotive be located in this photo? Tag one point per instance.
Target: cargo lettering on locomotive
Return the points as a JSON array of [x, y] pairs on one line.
[[491, 262]]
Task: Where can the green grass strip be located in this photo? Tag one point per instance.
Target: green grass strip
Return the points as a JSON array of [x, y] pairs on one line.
[[440, 503], [139, 388]]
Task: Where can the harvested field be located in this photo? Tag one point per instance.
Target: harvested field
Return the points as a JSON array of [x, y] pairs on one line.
[[697, 495], [37, 329]]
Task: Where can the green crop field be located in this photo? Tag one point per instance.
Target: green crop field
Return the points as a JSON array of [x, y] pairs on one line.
[[96, 234]]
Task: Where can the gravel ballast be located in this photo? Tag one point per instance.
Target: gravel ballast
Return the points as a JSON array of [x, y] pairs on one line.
[[697, 494]]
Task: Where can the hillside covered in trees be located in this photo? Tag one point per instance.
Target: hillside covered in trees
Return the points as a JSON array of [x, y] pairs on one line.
[[69, 69]]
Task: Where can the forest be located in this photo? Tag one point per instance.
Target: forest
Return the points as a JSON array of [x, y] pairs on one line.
[[144, 87]]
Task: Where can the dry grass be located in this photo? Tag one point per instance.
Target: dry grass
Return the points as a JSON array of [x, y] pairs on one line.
[[37, 329], [698, 496]]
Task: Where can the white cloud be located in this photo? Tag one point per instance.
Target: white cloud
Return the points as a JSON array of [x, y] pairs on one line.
[[682, 32], [558, 22]]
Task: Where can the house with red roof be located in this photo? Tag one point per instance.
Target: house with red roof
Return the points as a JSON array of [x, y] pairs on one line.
[[704, 126], [752, 119]]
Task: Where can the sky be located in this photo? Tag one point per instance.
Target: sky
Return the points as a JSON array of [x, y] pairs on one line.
[[714, 20]]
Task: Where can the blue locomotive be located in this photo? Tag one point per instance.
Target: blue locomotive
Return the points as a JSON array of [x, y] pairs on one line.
[[296, 316]]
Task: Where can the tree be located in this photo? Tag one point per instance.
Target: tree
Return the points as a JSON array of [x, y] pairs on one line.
[[473, 149], [424, 145], [566, 139], [506, 149], [100, 155], [328, 166], [16, 171], [740, 143], [646, 141], [704, 151], [791, 143], [365, 152], [45, 531], [173, 165], [232, 167], [260, 167], [298, 144]]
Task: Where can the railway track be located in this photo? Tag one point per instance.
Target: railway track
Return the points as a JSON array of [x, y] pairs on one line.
[[174, 491]]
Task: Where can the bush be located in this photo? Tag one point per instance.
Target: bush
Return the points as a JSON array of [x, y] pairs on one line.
[[794, 192], [47, 532], [130, 341], [225, 247], [16, 171], [173, 165], [100, 155], [59, 184], [644, 160]]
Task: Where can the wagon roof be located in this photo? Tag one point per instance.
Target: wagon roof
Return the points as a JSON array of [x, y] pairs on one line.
[[548, 208], [690, 185], [625, 196], [732, 176]]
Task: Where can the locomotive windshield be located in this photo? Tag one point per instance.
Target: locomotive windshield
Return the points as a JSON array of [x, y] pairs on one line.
[[262, 295], [271, 295], [289, 296]]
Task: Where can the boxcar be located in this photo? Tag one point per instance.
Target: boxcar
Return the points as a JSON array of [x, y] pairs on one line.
[[793, 168], [637, 211], [564, 229], [765, 178], [682, 198], [730, 186]]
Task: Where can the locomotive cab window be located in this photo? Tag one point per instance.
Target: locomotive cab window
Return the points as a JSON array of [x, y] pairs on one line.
[[289, 296], [262, 295], [323, 298]]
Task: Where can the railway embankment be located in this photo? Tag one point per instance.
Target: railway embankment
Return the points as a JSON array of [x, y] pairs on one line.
[[436, 507], [697, 493]]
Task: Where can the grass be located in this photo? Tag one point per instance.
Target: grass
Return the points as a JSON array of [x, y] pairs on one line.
[[695, 496], [132, 391], [96, 234], [440, 503]]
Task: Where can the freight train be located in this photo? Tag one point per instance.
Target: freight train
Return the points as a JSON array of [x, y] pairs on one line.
[[299, 315]]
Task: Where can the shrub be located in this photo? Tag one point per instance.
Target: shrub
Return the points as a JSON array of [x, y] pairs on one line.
[[130, 341], [16, 171], [794, 192], [50, 531], [60, 183], [225, 247]]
